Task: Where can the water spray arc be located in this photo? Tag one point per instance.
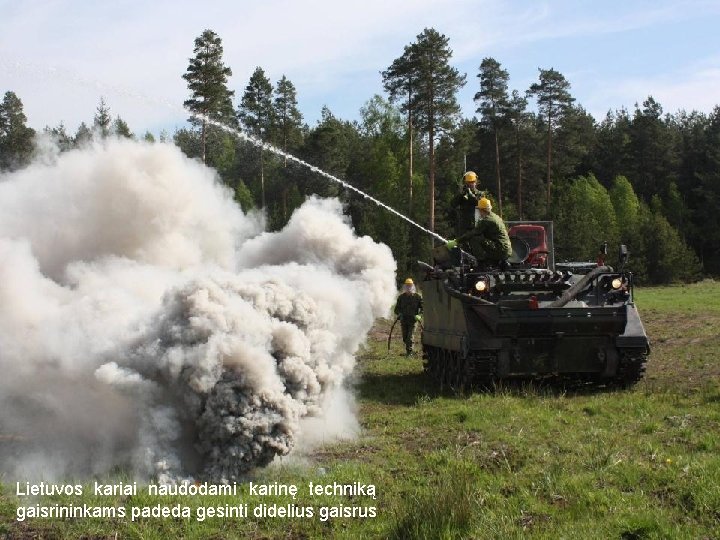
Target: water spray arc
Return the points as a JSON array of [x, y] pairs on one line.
[[64, 75], [281, 153]]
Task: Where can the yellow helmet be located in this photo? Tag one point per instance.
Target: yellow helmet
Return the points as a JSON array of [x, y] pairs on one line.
[[470, 177], [409, 281], [484, 204]]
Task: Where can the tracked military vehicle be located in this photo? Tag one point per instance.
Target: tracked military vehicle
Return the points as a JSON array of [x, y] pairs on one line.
[[531, 317]]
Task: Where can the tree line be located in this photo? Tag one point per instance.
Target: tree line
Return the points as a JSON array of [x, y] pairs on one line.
[[641, 177]]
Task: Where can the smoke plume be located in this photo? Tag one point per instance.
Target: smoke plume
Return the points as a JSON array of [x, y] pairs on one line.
[[147, 324]]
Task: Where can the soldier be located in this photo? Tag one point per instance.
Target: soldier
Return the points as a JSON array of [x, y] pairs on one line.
[[488, 241], [408, 309], [464, 204]]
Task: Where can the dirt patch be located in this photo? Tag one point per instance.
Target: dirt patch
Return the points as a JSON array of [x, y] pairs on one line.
[[685, 351], [381, 330], [528, 520], [358, 452], [664, 325], [420, 441]]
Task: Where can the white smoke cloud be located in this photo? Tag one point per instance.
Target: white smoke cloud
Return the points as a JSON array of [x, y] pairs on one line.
[[147, 323]]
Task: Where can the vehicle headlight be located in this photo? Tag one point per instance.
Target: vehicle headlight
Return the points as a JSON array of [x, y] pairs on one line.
[[616, 283], [481, 286]]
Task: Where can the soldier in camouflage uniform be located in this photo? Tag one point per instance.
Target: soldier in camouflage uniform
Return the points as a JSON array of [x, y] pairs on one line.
[[488, 241], [464, 203], [408, 309]]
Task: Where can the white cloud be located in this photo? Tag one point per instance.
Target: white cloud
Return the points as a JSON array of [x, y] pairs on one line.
[[75, 55], [59, 56], [695, 87]]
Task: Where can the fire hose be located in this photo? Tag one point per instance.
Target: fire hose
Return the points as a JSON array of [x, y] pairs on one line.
[[422, 329], [391, 331]]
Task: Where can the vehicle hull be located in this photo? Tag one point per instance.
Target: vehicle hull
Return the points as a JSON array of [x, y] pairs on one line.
[[513, 339]]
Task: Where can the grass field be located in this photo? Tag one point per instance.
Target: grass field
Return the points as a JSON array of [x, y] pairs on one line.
[[519, 462]]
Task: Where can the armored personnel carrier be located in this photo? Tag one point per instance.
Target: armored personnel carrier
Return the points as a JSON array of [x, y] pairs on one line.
[[531, 317]]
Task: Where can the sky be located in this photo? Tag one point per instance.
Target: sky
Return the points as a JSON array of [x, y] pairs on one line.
[[61, 56]]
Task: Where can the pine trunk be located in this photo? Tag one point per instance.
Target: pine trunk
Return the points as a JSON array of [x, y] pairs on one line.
[[431, 151], [519, 173], [497, 173], [262, 177], [285, 137], [203, 138], [284, 205], [410, 169], [549, 161]]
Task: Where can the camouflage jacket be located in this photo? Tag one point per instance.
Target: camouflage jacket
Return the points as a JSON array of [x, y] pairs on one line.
[[408, 305], [463, 205], [489, 233]]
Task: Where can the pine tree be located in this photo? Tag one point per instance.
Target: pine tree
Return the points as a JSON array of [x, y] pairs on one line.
[[189, 141], [667, 256], [207, 77], [377, 169], [516, 115], [256, 114], [574, 142], [704, 197], [611, 146], [16, 139], [435, 85], [399, 81], [287, 116], [691, 129], [493, 104], [83, 135], [288, 134], [60, 136], [553, 98], [121, 129], [653, 151], [102, 119], [329, 146], [256, 107]]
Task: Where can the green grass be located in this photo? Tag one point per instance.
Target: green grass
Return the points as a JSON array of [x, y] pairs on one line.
[[696, 298], [519, 462]]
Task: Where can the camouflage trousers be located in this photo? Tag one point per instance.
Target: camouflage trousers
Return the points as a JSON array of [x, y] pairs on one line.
[[408, 326]]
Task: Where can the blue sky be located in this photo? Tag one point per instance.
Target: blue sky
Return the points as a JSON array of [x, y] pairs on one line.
[[60, 56]]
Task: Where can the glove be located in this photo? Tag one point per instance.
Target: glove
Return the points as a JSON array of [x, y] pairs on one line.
[[418, 317], [452, 244]]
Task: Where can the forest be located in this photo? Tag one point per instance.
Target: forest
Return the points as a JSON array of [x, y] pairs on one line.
[[644, 177]]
